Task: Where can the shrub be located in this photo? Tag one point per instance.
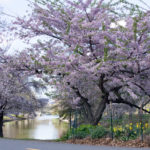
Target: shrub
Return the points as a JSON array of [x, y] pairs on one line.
[[132, 135], [124, 138], [132, 131], [129, 132], [80, 134], [83, 131], [98, 132], [119, 133], [66, 136], [85, 128]]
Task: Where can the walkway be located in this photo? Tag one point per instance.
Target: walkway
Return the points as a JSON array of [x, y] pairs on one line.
[[6, 144]]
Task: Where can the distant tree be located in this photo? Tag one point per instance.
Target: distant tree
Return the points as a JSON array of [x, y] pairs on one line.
[[15, 88]]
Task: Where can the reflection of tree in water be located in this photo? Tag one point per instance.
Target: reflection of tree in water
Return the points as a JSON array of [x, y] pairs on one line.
[[61, 126], [33, 128], [19, 129], [24, 124]]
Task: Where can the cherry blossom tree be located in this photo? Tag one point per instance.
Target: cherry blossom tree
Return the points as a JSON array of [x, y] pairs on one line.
[[15, 93], [15, 88], [92, 58]]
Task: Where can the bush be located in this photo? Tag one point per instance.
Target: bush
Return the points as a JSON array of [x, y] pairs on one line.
[[85, 128], [80, 134], [98, 132], [132, 135], [119, 133], [66, 136], [129, 132], [83, 131]]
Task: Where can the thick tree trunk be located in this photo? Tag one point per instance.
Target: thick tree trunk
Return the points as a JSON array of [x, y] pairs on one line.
[[100, 110], [87, 110], [89, 113], [1, 124], [92, 118]]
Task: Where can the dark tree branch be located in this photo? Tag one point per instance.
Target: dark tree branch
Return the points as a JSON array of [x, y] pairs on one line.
[[2, 107], [84, 102], [130, 104]]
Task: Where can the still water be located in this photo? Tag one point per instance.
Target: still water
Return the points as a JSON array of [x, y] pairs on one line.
[[45, 127]]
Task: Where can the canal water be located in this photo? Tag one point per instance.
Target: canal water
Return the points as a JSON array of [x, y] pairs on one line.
[[46, 127]]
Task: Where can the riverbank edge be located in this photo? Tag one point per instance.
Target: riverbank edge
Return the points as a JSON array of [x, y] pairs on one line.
[[28, 139], [16, 119], [19, 119]]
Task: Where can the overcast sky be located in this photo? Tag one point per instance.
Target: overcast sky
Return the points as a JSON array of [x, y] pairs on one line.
[[14, 7], [19, 7]]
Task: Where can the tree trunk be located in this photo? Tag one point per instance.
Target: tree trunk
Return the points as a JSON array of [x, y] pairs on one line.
[[1, 124], [100, 109], [89, 116], [89, 113]]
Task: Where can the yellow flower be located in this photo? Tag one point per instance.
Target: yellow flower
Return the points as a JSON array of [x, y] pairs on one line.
[[130, 128], [99, 124], [127, 125], [137, 125], [120, 129], [146, 125], [115, 129]]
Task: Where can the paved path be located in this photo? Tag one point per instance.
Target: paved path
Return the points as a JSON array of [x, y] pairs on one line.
[[6, 144]]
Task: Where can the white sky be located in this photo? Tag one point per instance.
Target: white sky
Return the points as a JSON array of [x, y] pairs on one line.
[[15, 7], [19, 7]]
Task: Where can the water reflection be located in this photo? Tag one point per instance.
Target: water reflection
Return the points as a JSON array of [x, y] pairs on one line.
[[43, 127]]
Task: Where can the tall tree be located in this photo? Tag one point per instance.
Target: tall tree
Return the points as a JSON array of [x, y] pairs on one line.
[[15, 93], [97, 59]]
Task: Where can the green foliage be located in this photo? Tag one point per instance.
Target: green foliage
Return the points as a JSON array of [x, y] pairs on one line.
[[124, 132], [85, 128], [129, 132], [98, 132], [83, 131], [66, 136], [80, 134], [119, 134], [124, 138]]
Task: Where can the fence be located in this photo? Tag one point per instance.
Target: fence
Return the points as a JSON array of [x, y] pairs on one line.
[[121, 121]]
